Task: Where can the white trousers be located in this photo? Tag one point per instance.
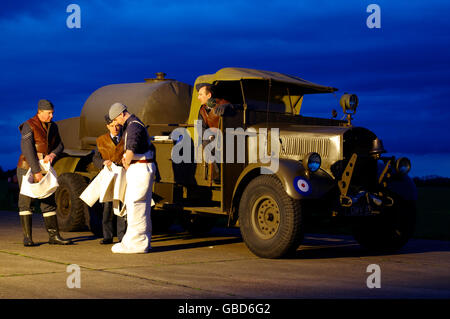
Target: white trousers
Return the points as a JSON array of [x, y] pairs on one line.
[[138, 197]]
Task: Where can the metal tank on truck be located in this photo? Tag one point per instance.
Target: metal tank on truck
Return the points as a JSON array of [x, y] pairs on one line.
[[278, 168]]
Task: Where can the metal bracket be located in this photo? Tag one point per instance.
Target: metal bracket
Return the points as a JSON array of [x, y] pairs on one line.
[[385, 173], [344, 183]]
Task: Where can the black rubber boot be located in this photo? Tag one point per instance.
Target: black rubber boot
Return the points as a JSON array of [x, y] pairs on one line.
[[25, 220], [51, 223]]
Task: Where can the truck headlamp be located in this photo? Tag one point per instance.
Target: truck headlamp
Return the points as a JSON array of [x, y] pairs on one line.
[[349, 103], [403, 165], [312, 162]]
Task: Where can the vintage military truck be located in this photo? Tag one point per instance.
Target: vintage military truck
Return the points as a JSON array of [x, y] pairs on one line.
[[276, 166]]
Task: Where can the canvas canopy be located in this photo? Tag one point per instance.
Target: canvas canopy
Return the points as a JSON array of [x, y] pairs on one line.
[[237, 74], [283, 92]]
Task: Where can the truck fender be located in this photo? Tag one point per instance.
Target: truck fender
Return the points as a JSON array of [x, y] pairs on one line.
[[403, 186], [66, 165], [296, 182], [300, 184]]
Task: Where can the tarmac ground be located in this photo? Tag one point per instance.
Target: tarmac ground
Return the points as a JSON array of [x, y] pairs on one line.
[[217, 266]]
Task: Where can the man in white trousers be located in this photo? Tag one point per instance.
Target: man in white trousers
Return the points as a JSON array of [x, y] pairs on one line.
[[140, 166]]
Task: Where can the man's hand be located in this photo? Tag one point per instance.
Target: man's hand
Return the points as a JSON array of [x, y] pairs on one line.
[[37, 177], [107, 163], [125, 163], [220, 109], [126, 159], [49, 158]]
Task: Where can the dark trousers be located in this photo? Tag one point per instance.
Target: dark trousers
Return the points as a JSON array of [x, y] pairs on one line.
[[108, 223], [26, 203]]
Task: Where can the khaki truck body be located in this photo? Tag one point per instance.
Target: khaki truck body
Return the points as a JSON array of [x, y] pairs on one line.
[[276, 167]]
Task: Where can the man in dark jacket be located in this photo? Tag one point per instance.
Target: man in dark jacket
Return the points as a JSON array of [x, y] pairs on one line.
[[40, 141], [110, 150]]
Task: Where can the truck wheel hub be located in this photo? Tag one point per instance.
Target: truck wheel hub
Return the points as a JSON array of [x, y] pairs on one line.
[[266, 217]]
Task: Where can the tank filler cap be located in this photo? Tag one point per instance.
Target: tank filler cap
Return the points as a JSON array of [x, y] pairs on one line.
[[160, 77]]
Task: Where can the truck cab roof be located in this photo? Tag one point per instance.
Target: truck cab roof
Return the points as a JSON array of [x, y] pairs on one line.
[[238, 74]]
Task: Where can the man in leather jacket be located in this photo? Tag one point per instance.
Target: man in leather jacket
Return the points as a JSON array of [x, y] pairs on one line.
[[212, 107], [110, 149], [40, 141], [210, 112]]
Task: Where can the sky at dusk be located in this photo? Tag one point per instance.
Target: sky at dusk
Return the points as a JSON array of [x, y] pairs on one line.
[[401, 71]]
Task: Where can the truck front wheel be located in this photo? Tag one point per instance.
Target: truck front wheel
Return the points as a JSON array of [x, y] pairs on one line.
[[270, 221], [389, 231]]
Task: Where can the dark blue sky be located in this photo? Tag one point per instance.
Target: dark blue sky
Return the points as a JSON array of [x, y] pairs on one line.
[[401, 72]]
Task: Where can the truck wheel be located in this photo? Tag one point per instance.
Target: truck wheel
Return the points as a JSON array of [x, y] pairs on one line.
[[389, 231], [69, 207], [270, 221]]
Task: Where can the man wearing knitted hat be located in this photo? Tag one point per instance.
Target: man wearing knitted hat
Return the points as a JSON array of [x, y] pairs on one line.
[[138, 161], [40, 141]]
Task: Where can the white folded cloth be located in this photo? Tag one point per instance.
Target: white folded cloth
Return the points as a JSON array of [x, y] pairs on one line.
[[46, 186], [108, 186]]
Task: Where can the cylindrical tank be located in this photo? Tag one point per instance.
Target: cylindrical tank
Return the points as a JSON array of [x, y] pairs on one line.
[[156, 101]]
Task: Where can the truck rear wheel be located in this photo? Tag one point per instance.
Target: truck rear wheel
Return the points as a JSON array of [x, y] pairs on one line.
[[70, 209], [270, 221], [389, 231]]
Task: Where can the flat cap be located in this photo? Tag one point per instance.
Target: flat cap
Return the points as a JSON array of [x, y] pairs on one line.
[[45, 105], [107, 119], [115, 110]]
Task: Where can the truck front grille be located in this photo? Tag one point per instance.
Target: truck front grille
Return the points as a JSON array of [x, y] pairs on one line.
[[297, 146]]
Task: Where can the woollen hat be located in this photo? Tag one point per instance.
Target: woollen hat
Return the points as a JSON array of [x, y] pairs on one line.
[[116, 109], [45, 105]]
